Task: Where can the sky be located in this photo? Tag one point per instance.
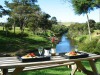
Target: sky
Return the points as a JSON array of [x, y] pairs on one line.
[[62, 11]]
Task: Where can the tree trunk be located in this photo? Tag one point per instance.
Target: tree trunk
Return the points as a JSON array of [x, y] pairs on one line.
[[88, 26], [6, 31], [14, 26], [21, 28], [99, 14], [3, 27]]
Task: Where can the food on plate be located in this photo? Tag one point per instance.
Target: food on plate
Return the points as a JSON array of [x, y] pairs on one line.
[[72, 53], [29, 55]]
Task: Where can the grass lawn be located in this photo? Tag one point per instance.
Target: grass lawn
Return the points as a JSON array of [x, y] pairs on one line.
[[63, 70], [13, 42]]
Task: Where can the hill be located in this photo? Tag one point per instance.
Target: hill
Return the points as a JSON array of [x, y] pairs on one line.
[[66, 23]]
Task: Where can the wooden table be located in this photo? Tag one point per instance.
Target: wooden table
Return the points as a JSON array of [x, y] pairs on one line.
[[12, 62]]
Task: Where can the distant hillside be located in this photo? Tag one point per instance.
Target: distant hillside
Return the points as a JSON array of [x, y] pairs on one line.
[[66, 23]]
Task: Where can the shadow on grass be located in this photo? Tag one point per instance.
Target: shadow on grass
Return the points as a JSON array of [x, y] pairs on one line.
[[10, 34], [13, 42]]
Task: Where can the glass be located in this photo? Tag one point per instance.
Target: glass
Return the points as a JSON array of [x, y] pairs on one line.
[[40, 50], [76, 48]]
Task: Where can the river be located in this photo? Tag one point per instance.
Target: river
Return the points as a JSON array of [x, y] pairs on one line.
[[64, 45]]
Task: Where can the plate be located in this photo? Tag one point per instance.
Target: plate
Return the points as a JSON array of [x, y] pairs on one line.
[[35, 59], [79, 55]]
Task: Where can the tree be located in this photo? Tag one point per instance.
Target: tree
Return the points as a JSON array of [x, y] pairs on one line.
[[97, 25], [4, 12], [54, 20], [22, 9], [1, 10], [92, 24], [83, 7], [33, 23], [97, 3], [44, 22]]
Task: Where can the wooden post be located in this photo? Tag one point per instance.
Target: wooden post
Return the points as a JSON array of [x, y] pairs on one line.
[[92, 64], [83, 69], [74, 69], [17, 71], [4, 72]]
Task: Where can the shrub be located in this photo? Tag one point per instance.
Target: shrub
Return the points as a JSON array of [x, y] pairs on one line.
[[92, 46], [97, 49], [81, 39]]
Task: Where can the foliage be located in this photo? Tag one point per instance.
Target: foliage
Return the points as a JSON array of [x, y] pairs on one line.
[[92, 25], [84, 7], [97, 49], [16, 8], [26, 13], [44, 22], [59, 29], [54, 20], [3, 11], [97, 3], [32, 23], [97, 25], [90, 46], [77, 29], [82, 38]]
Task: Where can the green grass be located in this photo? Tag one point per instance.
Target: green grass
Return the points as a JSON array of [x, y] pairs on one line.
[[63, 70], [1, 28], [87, 39], [14, 42]]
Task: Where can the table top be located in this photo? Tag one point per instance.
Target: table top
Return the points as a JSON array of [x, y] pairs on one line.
[[13, 62]]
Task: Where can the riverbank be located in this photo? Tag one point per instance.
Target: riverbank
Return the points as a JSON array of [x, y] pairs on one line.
[[84, 44]]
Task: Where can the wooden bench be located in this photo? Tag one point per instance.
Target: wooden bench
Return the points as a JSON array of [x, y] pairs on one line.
[[30, 68]]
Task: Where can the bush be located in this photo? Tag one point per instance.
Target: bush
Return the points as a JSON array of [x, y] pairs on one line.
[[92, 46], [82, 38], [59, 29], [97, 49]]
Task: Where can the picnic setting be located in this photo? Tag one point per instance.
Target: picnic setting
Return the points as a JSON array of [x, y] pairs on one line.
[[39, 37]]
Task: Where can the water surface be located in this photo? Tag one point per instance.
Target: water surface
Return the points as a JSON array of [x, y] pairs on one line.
[[64, 45]]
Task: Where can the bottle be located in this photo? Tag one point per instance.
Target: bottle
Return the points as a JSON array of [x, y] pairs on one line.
[[53, 51]]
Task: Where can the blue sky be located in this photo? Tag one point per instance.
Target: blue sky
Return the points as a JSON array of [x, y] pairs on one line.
[[62, 11]]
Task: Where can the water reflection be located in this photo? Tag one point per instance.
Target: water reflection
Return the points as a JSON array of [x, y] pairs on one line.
[[64, 45]]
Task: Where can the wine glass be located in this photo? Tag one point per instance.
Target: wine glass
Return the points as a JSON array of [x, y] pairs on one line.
[[40, 50], [76, 48]]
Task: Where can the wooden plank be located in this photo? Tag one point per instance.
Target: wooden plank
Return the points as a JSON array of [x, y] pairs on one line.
[[42, 66], [16, 63]]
